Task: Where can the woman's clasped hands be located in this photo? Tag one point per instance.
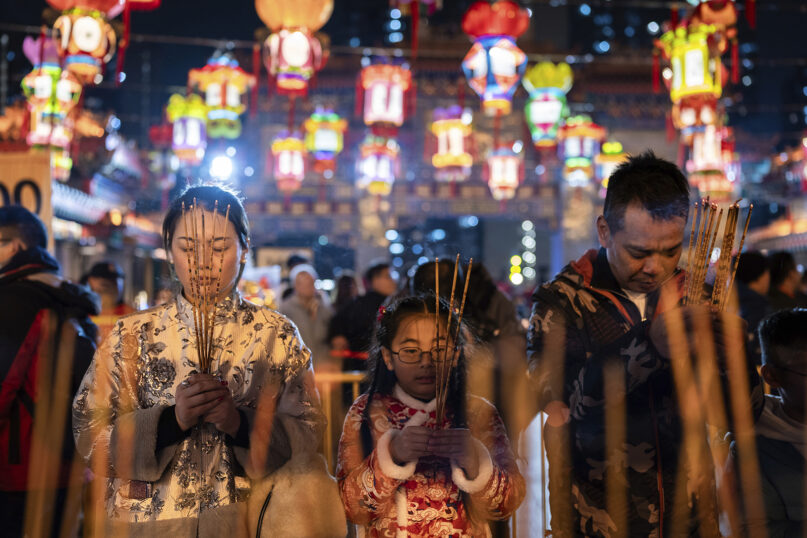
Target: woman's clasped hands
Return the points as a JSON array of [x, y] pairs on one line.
[[207, 397]]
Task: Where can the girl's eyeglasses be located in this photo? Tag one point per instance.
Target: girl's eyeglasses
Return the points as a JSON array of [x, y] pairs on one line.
[[413, 355]]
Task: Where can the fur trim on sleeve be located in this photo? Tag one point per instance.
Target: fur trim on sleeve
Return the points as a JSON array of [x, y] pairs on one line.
[[482, 478], [386, 463]]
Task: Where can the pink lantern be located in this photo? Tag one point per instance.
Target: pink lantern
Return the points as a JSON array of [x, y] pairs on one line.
[[378, 164]]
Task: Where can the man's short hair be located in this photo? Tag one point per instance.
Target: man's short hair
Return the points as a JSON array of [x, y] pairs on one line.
[[781, 264], [656, 185], [783, 338], [375, 270], [17, 222], [751, 266]]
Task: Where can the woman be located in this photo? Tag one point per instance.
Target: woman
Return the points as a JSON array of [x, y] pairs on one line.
[[173, 448]]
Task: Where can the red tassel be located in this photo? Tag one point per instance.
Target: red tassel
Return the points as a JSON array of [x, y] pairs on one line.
[[411, 100], [497, 127], [670, 128], [359, 97], [681, 154], [735, 62], [256, 72], [751, 13], [674, 17], [656, 72], [415, 21], [127, 23]]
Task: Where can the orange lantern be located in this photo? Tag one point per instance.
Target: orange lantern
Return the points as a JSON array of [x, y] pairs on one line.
[[292, 52]]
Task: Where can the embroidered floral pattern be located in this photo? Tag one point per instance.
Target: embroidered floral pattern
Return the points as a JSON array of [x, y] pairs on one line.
[[140, 365]]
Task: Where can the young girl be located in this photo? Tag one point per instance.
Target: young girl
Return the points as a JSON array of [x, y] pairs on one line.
[[400, 472], [173, 448]]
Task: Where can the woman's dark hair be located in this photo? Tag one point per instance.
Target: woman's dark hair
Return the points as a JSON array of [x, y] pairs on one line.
[[206, 197], [658, 186], [781, 264], [382, 381], [346, 290]]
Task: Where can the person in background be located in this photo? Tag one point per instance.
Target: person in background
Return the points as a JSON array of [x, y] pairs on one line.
[[351, 329], [753, 282], [293, 261], [41, 315], [309, 310], [780, 430], [785, 281], [106, 279], [346, 290]]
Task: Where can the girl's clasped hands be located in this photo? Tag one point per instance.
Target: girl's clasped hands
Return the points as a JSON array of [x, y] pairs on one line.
[[456, 444]]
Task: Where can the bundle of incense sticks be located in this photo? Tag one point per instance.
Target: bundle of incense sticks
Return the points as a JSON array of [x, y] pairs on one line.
[[707, 220], [448, 360], [204, 285]]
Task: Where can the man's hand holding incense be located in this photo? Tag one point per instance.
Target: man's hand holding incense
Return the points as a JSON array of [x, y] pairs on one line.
[[456, 444], [695, 330], [196, 396]]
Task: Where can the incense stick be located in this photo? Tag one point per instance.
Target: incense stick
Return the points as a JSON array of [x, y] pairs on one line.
[[739, 252], [690, 254], [449, 365]]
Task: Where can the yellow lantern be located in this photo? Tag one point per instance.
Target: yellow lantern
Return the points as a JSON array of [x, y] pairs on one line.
[[224, 85], [452, 160], [188, 116], [289, 155], [325, 133], [694, 69]]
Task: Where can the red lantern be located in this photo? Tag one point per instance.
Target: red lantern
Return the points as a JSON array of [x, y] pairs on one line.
[[495, 64], [385, 90], [504, 172]]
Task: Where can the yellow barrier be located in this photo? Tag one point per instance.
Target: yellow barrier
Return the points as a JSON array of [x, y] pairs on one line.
[[325, 384]]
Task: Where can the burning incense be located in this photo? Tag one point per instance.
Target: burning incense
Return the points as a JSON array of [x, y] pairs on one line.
[[203, 289], [448, 365], [700, 253]]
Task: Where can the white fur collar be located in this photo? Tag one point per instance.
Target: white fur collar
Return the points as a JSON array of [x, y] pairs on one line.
[[413, 402]]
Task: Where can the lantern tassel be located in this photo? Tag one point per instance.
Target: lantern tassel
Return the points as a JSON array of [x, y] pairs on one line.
[[656, 72], [461, 92], [670, 128], [256, 72], [415, 21], [359, 96], [681, 154], [674, 16], [127, 23], [735, 62], [292, 107], [751, 13]]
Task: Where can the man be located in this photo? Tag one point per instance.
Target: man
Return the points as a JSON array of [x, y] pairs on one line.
[[780, 430], [307, 308], [106, 279], [785, 282], [351, 329], [595, 318], [44, 329], [753, 281]]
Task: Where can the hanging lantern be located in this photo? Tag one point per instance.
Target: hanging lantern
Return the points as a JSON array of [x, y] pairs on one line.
[[547, 85], [289, 153], [189, 135], [706, 167], [611, 157], [580, 140], [52, 95], [452, 160], [504, 172], [495, 64], [378, 164], [729, 156], [385, 90], [325, 133], [224, 85], [292, 53], [694, 69], [86, 39]]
